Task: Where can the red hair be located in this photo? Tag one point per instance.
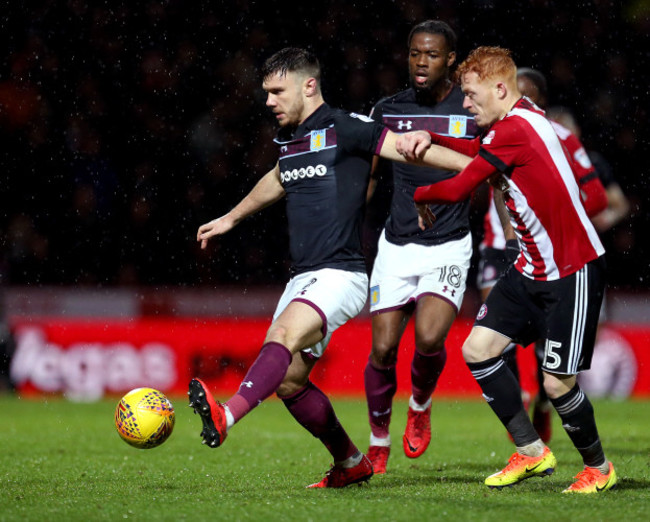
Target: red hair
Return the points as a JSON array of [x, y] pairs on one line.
[[489, 62]]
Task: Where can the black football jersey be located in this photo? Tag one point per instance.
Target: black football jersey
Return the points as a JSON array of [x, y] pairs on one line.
[[324, 169], [402, 113]]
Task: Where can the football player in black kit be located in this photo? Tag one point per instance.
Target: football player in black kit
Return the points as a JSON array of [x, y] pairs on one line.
[[323, 171], [419, 273]]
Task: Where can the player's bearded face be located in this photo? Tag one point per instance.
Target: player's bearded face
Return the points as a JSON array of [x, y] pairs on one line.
[[429, 60], [480, 99], [284, 98]]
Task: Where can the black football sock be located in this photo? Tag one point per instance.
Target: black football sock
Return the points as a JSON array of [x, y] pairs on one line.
[[501, 391], [510, 358], [578, 420]]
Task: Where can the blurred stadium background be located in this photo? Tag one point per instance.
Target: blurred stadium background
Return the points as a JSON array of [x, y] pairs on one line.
[[125, 125]]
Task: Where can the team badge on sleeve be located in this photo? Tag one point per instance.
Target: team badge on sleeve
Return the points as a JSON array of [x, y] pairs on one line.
[[457, 125]]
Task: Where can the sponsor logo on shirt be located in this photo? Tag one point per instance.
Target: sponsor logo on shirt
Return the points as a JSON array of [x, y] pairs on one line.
[[404, 125], [317, 141], [303, 172], [457, 125]]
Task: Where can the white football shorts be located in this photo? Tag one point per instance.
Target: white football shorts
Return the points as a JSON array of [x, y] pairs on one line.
[[404, 273], [337, 296]]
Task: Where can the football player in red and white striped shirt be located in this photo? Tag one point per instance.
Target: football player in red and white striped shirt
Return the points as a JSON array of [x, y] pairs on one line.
[[495, 250], [555, 287]]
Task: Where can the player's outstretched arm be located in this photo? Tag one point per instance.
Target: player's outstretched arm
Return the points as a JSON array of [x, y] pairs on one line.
[[459, 187], [413, 145], [267, 191], [422, 153]]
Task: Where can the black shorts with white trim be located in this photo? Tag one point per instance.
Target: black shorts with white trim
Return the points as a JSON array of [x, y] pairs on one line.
[[564, 313]]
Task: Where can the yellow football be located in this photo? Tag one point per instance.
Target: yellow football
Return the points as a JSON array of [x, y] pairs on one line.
[[144, 418]]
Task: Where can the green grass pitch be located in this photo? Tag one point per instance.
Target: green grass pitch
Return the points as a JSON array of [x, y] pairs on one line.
[[64, 461]]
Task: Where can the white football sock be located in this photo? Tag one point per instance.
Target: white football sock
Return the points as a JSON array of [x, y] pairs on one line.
[[534, 449], [230, 420], [352, 461], [418, 407], [604, 468], [379, 441]]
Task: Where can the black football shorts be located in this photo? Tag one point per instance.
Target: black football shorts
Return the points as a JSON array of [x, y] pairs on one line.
[[564, 313]]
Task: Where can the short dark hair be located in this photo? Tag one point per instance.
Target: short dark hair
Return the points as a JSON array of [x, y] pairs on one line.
[[292, 59], [435, 27], [538, 79]]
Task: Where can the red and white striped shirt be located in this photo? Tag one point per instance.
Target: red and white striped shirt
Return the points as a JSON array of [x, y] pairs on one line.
[[592, 192], [541, 194]]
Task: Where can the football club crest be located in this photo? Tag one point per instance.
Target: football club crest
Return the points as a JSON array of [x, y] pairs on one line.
[[374, 295], [457, 125], [317, 140]]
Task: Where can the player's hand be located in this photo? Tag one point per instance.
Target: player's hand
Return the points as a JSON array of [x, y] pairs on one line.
[[216, 227], [425, 216], [413, 145]]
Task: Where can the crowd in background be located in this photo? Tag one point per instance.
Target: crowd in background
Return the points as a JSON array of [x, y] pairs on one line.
[[125, 125]]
